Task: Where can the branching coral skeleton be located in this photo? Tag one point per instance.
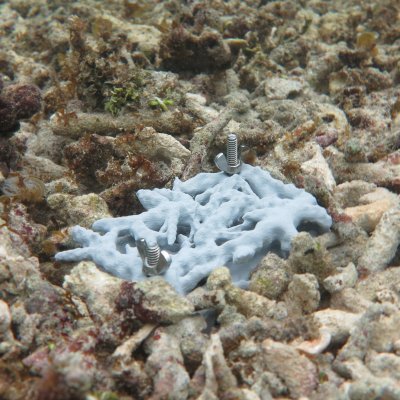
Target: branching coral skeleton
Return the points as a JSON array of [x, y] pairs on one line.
[[210, 220]]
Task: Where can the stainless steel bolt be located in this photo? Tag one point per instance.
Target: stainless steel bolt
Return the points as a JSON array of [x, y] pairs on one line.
[[231, 164], [232, 151], [155, 261]]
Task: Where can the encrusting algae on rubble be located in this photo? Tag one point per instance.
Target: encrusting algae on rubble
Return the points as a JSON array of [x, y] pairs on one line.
[[101, 100]]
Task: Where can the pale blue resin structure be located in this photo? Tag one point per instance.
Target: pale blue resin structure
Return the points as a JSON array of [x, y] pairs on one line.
[[211, 220]]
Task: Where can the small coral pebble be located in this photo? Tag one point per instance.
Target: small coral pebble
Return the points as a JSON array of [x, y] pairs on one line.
[[8, 119], [26, 99]]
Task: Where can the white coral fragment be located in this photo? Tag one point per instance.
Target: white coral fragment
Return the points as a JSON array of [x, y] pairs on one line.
[[210, 220]]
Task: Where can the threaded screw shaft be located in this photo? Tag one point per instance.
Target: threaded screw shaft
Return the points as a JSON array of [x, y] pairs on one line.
[[153, 255], [155, 261], [232, 150]]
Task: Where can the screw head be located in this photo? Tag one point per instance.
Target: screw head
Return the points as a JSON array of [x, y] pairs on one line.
[[155, 262], [222, 164]]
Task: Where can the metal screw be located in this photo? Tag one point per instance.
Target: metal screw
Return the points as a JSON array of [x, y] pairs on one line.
[[155, 261], [231, 164]]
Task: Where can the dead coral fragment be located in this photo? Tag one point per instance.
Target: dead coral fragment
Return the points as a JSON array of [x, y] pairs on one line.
[[382, 245], [308, 255], [26, 99], [29, 188], [297, 372], [120, 166], [8, 120], [271, 277], [184, 51], [17, 102], [155, 301], [214, 377], [366, 41]]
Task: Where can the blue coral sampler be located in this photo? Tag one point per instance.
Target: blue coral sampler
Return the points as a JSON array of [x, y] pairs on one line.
[[208, 221]]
